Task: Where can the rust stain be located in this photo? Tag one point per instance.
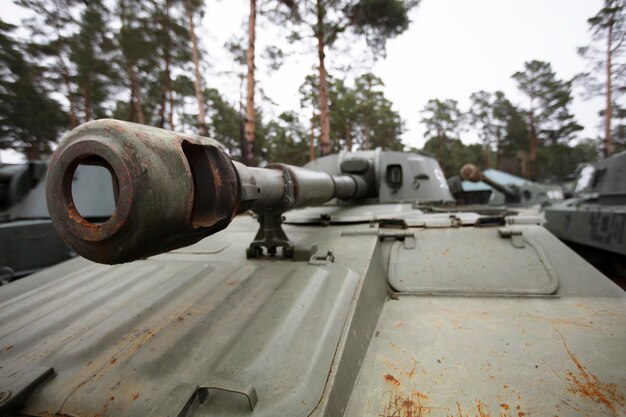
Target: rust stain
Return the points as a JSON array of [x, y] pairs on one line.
[[405, 368], [113, 361], [588, 386], [412, 405], [482, 409], [9, 347], [565, 322], [411, 373], [135, 396], [392, 380], [479, 409], [397, 324]]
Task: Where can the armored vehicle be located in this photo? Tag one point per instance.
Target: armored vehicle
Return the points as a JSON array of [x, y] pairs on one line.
[[596, 217], [352, 290], [498, 188], [28, 241]]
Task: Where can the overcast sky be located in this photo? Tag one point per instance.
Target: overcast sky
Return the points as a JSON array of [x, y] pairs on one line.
[[451, 49]]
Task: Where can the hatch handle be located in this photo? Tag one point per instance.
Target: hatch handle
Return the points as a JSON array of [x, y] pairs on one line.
[[15, 389], [517, 240], [230, 386]]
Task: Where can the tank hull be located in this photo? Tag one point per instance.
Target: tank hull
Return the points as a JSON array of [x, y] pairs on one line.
[[194, 331]]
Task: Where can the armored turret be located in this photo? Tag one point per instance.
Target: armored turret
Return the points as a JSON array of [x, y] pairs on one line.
[[595, 218]]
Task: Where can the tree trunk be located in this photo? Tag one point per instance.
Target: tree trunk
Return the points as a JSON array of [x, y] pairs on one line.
[[366, 136], [349, 137], [135, 93], [242, 122], [497, 150], [166, 78], [324, 109], [32, 153], [312, 138], [523, 163], [171, 97], [195, 56], [608, 148], [533, 147], [87, 100], [250, 110]]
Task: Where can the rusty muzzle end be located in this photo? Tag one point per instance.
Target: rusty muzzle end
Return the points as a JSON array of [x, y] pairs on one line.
[[470, 172], [171, 190]]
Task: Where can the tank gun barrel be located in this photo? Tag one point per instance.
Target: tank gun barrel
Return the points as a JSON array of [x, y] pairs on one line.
[[172, 190], [470, 172]]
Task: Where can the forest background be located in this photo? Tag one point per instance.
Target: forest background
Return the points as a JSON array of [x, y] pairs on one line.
[[144, 61]]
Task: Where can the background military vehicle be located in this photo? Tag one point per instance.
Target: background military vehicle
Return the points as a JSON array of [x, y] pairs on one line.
[[498, 188], [362, 306], [28, 241], [594, 221]]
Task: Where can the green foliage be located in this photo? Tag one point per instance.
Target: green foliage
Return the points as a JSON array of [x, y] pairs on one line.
[[443, 119], [30, 121], [559, 160], [499, 124], [504, 131], [379, 20], [225, 122], [607, 51], [452, 154], [360, 116], [286, 140], [91, 53], [549, 100]]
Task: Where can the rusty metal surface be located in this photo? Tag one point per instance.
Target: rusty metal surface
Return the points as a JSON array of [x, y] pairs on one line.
[[453, 357], [158, 205], [121, 338], [311, 338]]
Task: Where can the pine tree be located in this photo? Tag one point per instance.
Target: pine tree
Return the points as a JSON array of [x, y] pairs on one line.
[[607, 55], [376, 20], [135, 43], [30, 121], [50, 31], [92, 49], [549, 117], [195, 8]]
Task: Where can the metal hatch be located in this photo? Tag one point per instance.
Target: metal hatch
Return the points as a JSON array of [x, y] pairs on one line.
[[472, 261]]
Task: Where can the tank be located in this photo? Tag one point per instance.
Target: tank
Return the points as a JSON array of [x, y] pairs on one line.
[[350, 287], [28, 241], [500, 188], [594, 220]]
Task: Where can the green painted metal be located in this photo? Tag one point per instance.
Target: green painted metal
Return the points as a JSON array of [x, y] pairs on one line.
[[596, 217], [422, 310]]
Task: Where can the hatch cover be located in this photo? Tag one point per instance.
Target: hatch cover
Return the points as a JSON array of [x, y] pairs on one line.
[[474, 261]]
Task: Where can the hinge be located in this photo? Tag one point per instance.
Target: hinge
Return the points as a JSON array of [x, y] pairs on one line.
[[322, 259], [517, 239], [402, 235]]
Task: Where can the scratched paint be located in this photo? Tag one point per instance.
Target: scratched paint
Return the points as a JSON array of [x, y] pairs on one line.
[[586, 385], [413, 404]]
